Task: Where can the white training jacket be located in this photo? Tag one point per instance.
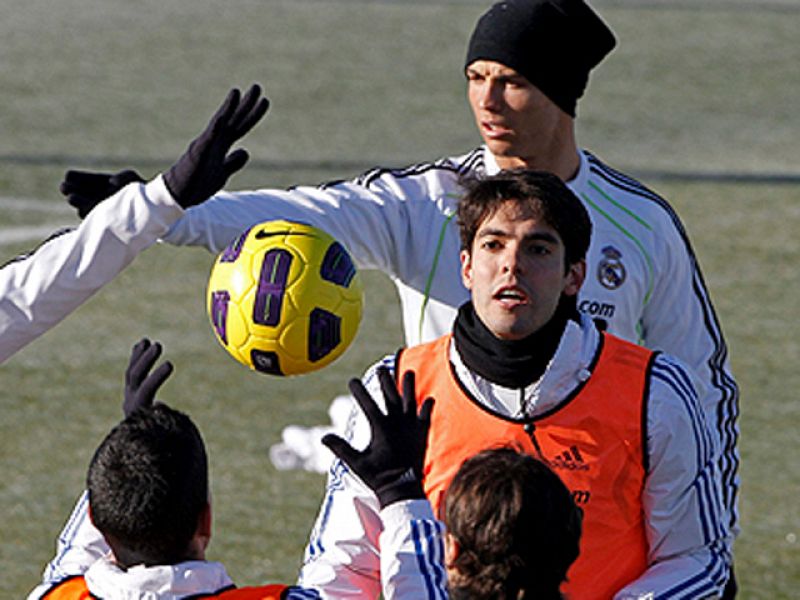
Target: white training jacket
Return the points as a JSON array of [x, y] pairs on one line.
[[688, 542], [642, 276], [412, 562], [39, 289]]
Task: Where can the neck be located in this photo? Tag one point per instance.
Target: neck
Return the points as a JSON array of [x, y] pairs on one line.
[[509, 363], [556, 153]]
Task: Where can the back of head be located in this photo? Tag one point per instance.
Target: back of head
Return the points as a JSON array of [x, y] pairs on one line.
[[516, 525], [540, 193], [554, 44], [148, 486]]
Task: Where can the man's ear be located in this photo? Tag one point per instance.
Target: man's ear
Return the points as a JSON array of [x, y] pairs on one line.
[[452, 549], [202, 535], [466, 268], [204, 522], [573, 280]]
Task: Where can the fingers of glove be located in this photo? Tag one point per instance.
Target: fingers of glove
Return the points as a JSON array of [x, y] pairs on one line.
[[136, 352], [235, 161], [119, 180], [394, 403], [249, 112], [139, 369], [365, 401], [409, 394], [154, 381], [219, 122], [424, 416], [341, 449], [84, 182]]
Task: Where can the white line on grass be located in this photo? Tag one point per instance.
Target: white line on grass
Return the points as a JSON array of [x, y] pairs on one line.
[[37, 233], [29, 205]]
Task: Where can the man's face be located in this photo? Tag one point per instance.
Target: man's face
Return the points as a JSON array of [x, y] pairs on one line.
[[512, 115], [515, 272]]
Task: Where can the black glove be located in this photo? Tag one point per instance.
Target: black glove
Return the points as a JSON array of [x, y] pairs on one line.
[[205, 167], [140, 384], [391, 465], [85, 190]]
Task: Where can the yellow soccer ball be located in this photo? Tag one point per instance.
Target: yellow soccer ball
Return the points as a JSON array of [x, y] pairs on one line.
[[284, 298]]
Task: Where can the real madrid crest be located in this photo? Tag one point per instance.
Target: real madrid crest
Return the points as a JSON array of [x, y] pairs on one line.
[[611, 272]]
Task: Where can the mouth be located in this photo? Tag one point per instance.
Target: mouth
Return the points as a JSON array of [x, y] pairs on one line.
[[511, 296], [494, 129]]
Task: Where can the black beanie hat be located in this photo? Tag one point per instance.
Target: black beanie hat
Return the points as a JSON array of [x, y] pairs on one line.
[[552, 43]]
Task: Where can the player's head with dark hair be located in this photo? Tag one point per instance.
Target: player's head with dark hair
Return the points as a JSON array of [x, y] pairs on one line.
[[554, 44], [148, 488], [513, 528], [536, 193]]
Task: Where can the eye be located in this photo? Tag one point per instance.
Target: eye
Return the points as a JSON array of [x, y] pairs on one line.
[[491, 244], [539, 250]]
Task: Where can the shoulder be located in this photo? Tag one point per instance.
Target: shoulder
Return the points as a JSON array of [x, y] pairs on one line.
[[674, 409], [674, 376], [621, 196], [450, 168]]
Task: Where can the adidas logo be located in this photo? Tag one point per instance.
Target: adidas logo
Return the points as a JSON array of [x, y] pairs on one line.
[[570, 459]]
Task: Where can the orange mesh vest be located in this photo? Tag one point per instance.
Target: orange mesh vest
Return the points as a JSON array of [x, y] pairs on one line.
[[592, 440], [75, 589]]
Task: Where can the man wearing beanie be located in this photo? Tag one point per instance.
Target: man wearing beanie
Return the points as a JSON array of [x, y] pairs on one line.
[[528, 63]]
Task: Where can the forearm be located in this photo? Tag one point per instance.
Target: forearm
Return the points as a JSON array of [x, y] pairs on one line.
[[342, 559], [701, 574], [412, 552], [39, 290]]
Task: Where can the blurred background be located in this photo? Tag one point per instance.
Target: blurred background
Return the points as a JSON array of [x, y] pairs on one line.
[[699, 100]]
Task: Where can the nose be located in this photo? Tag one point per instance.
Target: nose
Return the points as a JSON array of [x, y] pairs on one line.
[[512, 260], [490, 95]]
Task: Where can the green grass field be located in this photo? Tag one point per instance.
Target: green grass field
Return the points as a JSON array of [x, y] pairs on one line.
[[694, 88]]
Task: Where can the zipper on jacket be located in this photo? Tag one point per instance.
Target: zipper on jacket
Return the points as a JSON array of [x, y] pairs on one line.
[[530, 429]]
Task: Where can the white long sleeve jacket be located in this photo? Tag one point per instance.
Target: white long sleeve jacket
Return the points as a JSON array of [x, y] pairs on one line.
[[39, 289], [688, 543], [411, 562], [642, 276]]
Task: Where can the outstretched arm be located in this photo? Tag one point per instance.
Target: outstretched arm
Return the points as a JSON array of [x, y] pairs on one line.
[[375, 532], [39, 289], [80, 544]]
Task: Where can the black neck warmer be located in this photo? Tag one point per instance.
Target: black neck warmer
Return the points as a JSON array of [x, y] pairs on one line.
[[510, 363]]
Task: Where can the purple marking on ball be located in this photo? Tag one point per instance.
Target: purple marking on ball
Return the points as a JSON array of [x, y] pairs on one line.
[[337, 266], [234, 249], [219, 314], [324, 333], [266, 361], [271, 287]]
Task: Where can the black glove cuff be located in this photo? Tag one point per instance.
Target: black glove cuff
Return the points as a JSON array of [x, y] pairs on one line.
[[175, 189], [399, 490]]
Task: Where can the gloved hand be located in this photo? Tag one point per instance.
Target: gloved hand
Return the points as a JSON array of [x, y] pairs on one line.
[[391, 465], [140, 384], [85, 190], [206, 165]]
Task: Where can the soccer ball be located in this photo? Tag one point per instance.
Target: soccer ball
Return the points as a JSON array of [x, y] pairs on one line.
[[284, 298]]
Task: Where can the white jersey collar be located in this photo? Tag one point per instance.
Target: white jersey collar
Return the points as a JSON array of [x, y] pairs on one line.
[[567, 370], [576, 183], [169, 582]]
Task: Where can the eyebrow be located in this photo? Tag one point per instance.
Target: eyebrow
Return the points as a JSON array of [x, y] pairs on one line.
[[539, 236]]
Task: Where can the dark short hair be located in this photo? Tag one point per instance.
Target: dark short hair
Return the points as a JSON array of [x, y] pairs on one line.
[[148, 486], [516, 523], [544, 194]]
